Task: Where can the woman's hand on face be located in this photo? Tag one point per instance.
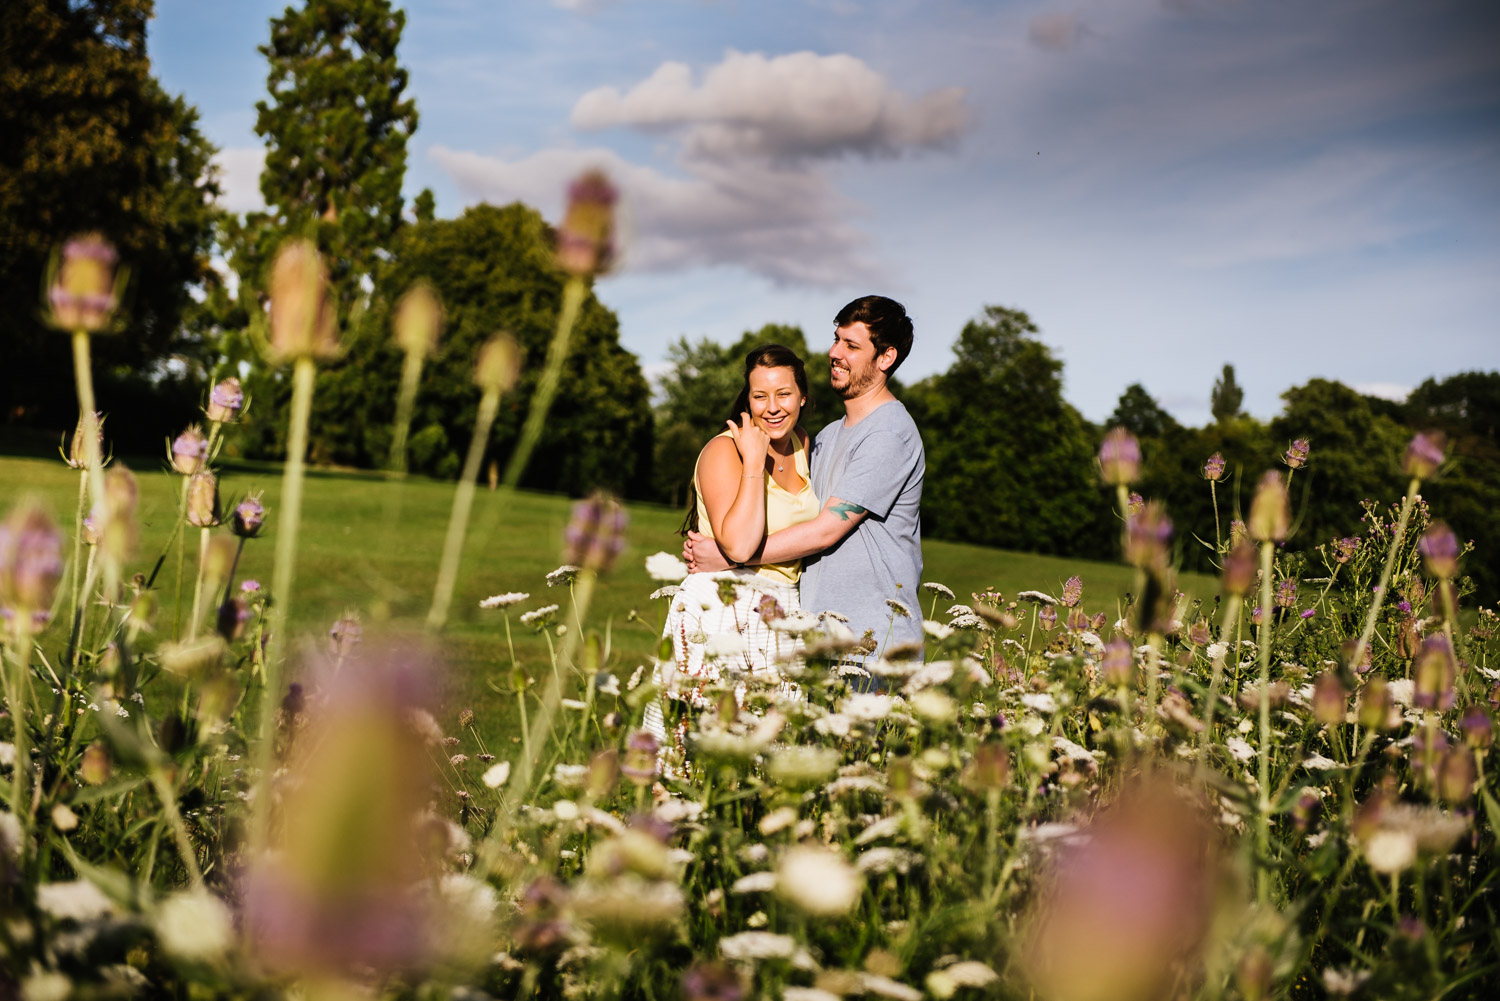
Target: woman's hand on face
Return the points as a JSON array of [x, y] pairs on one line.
[[752, 440]]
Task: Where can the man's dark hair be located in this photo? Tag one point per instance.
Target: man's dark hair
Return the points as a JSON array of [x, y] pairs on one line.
[[889, 325]]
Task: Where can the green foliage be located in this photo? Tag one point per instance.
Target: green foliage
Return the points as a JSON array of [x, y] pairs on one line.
[[336, 127], [1140, 414], [493, 269], [1009, 461], [92, 142], [1354, 456], [1228, 397]]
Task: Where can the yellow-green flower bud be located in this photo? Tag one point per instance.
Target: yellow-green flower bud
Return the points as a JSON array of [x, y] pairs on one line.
[[302, 319], [499, 365], [203, 500], [1270, 510], [418, 320]]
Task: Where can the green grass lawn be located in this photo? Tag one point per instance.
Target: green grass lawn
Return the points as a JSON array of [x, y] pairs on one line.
[[372, 546]]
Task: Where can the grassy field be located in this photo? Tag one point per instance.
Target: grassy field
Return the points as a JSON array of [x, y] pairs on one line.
[[372, 546]]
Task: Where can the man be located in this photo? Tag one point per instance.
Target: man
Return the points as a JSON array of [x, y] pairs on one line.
[[868, 470]]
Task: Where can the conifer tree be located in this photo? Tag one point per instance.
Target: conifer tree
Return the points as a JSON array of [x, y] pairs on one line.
[[336, 124], [1227, 397]]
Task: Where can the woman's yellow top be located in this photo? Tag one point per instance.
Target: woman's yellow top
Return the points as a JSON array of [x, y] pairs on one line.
[[783, 509]]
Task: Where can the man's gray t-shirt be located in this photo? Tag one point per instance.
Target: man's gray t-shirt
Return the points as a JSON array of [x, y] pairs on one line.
[[877, 464]]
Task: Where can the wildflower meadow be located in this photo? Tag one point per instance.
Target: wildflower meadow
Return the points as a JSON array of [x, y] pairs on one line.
[[1277, 787]]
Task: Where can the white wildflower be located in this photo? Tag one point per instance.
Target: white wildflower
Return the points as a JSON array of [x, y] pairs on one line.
[[1039, 597], [778, 819], [794, 993], [497, 774], [538, 616], [1043, 834], [564, 574], [757, 945], [1319, 763], [833, 725], [936, 672], [888, 988], [884, 858], [934, 706], [1390, 850], [818, 880], [194, 926], [1041, 702], [936, 630], [675, 811], [7, 754], [569, 775], [1342, 983], [1070, 750], [885, 827], [77, 900], [755, 882], [669, 591], [867, 706], [897, 607], [565, 810], [504, 600], [725, 645], [797, 622], [968, 620], [665, 566], [46, 985], [1214, 651], [1402, 691], [1239, 748], [934, 587], [800, 766]]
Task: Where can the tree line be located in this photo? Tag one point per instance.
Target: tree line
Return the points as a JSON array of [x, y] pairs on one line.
[[94, 142]]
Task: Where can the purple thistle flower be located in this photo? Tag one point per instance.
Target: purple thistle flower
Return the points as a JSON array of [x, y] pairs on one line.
[[1048, 617], [82, 295], [1478, 728], [1072, 591], [1308, 613], [1213, 469], [248, 517], [1286, 593], [31, 562], [1146, 536], [640, 764], [346, 635], [1345, 548], [595, 535], [1296, 453], [1433, 674], [1424, 454], [1120, 457], [225, 400], [1118, 663], [189, 451], [1440, 550], [249, 586], [585, 240]]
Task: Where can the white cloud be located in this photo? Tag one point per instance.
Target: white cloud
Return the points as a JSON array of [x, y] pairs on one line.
[[239, 177], [788, 108], [1055, 32], [1385, 390], [751, 184], [785, 225]]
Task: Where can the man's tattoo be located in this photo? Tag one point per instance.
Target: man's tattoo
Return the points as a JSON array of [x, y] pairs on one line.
[[844, 509]]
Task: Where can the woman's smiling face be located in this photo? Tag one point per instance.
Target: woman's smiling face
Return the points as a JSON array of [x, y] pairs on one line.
[[775, 400]]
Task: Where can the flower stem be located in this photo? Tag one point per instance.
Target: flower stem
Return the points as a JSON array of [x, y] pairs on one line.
[[463, 503], [411, 376], [1231, 614], [198, 585], [1385, 574], [1263, 639], [304, 376]]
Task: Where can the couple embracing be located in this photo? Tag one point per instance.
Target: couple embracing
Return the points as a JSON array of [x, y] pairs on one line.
[[781, 523]]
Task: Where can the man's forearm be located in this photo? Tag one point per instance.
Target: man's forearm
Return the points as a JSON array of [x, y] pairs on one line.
[[802, 539]]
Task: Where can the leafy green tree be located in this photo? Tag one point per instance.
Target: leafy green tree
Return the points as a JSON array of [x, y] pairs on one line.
[[1140, 414], [494, 271], [1355, 454], [90, 141], [336, 125], [1009, 461], [1466, 494], [1228, 398]]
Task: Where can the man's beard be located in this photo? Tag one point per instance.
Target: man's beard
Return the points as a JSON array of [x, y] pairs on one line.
[[857, 384]]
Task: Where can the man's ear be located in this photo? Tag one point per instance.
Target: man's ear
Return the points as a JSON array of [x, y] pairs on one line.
[[886, 359]]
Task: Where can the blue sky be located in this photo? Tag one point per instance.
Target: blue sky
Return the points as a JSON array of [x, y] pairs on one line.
[[1297, 188]]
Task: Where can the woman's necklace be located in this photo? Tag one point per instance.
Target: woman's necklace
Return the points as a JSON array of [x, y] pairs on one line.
[[778, 460]]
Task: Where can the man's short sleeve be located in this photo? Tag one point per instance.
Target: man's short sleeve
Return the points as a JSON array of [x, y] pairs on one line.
[[877, 469]]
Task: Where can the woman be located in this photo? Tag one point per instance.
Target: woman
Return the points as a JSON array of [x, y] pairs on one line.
[[750, 480]]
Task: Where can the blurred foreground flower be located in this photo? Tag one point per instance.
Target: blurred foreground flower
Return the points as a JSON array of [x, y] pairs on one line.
[[418, 320], [1147, 535], [1124, 914], [1440, 550], [666, 567], [819, 881], [595, 535], [189, 451], [1424, 454], [1120, 457], [302, 318], [31, 562], [83, 291], [585, 240], [352, 884], [1270, 509]]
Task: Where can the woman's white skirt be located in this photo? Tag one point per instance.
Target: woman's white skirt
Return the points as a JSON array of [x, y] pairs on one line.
[[714, 640]]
